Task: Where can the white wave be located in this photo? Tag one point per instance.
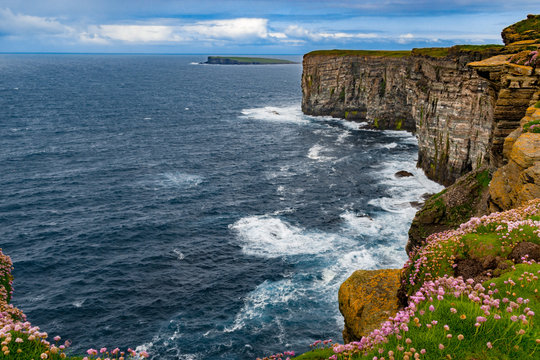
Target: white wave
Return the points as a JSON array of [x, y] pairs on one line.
[[78, 303], [179, 179], [179, 255], [265, 295], [390, 146], [285, 114], [359, 259], [341, 138], [268, 236], [315, 151], [361, 224]]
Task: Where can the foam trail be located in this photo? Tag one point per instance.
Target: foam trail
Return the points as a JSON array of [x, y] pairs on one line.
[[315, 151], [268, 236], [179, 179]]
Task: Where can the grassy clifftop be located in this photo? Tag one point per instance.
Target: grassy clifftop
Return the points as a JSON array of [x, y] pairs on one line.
[[436, 52], [458, 310]]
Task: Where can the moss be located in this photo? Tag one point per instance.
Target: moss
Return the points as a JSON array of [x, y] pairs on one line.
[[376, 123], [346, 114], [537, 105], [342, 95], [382, 87], [398, 124], [483, 179]]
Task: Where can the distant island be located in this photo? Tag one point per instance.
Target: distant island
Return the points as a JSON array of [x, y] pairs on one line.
[[233, 60]]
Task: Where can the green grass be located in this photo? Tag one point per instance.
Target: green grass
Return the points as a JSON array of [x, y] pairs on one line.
[[317, 354], [483, 178], [251, 60], [527, 24], [381, 53], [433, 52]]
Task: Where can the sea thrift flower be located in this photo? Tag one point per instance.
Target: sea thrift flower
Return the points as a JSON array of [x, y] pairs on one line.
[[489, 345]]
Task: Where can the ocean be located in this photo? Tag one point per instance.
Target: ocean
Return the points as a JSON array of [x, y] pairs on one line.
[[190, 210]]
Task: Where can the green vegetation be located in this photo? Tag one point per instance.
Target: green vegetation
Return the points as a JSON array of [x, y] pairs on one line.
[[399, 124], [342, 95], [483, 178], [382, 53], [494, 235], [234, 60], [531, 23], [532, 126], [537, 105]]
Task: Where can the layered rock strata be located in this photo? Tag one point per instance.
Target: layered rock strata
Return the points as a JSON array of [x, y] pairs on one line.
[[449, 106]]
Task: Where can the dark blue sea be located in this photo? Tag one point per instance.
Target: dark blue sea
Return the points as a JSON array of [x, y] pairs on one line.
[[190, 210]]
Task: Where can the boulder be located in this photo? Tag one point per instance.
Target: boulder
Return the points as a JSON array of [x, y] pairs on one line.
[[366, 299]]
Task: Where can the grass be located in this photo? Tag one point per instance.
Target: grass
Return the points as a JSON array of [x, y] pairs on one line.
[[250, 60], [381, 53], [436, 52], [494, 235], [527, 24]]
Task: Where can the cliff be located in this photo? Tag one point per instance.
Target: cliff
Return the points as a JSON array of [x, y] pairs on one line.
[[460, 113]]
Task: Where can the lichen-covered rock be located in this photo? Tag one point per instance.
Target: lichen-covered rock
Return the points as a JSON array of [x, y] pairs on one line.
[[528, 29], [519, 180], [366, 299]]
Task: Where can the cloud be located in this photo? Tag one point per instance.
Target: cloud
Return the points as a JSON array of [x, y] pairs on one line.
[[240, 28], [131, 34], [20, 24], [297, 31], [405, 38]]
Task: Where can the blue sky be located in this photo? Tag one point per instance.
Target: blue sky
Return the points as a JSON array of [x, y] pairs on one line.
[[251, 27]]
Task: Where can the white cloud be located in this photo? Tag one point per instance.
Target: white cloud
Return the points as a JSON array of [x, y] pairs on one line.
[[405, 38], [132, 33], [20, 24], [301, 32], [240, 28]]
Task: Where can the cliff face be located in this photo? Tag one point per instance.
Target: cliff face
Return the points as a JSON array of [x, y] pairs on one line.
[[519, 180], [461, 117]]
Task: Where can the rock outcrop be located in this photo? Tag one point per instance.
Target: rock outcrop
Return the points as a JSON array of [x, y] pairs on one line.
[[519, 180], [524, 30], [367, 298]]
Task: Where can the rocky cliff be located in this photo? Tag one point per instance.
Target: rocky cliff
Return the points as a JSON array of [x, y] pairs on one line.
[[461, 113], [430, 91]]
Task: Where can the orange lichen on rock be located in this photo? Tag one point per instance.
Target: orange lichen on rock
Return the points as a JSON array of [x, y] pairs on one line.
[[366, 299], [519, 180]]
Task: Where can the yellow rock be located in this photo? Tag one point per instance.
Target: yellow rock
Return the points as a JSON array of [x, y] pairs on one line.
[[518, 181], [366, 299]]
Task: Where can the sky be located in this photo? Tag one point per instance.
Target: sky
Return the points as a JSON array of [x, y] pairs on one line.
[[251, 26]]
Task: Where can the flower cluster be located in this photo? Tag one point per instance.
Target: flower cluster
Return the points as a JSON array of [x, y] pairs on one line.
[[281, 356], [448, 314], [495, 234], [533, 59]]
